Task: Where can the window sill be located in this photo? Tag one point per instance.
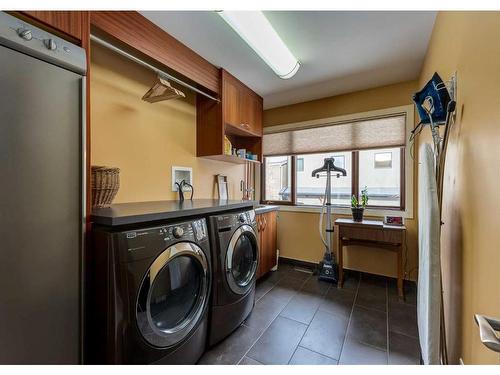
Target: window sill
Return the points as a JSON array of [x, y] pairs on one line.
[[378, 212]]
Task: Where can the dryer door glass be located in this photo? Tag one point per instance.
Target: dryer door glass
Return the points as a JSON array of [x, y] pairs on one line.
[[242, 259], [173, 295]]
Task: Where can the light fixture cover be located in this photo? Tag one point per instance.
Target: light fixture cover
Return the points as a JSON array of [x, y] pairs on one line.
[[259, 34]]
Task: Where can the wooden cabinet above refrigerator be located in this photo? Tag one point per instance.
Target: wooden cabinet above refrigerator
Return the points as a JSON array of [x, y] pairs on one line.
[[70, 23]]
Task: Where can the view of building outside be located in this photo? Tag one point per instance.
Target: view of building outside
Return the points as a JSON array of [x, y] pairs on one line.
[[311, 190], [379, 171], [278, 177]]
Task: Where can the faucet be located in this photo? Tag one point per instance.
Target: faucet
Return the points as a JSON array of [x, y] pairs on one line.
[[180, 186]]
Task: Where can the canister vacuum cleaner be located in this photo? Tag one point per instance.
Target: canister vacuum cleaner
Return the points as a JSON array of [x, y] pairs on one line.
[[327, 267]]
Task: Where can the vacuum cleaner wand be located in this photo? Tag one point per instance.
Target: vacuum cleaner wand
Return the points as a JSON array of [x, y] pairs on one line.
[[327, 267]]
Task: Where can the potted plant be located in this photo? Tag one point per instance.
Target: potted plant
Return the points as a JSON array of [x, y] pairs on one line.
[[358, 207]]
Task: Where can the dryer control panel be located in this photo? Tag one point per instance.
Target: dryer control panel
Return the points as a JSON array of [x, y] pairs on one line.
[[142, 243], [194, 231]]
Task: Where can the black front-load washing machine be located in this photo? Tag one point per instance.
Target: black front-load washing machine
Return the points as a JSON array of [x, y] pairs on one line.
[[150, 294], [235, 257]]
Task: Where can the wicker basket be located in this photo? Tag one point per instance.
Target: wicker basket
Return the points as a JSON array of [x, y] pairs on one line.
[[105, 185]]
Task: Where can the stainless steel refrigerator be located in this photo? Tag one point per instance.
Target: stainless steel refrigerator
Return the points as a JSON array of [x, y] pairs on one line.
[[42, 157]]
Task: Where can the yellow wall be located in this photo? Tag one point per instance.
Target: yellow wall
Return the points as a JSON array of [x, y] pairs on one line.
[[360, 101], [145, 140], [298, 236], [467, 42]]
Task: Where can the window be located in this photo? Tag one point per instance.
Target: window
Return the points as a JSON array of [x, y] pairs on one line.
[[278, 176], [382, 160], [300, 164], [375, 161], [383, 182], [311, 190]]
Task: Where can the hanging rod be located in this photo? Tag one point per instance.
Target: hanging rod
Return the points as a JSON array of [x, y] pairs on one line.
[[149, 66]]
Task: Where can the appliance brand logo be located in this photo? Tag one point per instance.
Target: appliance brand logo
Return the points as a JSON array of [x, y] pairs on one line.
[[135, 234]]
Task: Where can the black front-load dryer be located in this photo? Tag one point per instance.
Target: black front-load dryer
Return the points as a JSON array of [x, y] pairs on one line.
[[150, 294], [235, 257]]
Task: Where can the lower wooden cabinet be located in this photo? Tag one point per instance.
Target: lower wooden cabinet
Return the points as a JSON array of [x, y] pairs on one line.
[[267, 226]]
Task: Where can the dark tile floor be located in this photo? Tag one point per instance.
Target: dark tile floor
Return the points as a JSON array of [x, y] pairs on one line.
[[300, 320]]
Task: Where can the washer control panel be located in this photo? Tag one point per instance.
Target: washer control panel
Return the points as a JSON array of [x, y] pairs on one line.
[[236, 219]]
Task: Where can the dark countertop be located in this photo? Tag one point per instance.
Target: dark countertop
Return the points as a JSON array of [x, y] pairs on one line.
[[141, 212], [266, 208]]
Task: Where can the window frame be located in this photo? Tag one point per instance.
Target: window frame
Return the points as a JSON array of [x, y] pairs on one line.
[[407, 166], [354, 183]]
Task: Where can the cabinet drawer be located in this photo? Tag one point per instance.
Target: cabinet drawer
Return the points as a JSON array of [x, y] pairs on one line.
[[371, 234]]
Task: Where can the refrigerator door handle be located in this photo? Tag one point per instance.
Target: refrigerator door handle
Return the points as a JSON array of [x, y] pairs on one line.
[[487, 328]]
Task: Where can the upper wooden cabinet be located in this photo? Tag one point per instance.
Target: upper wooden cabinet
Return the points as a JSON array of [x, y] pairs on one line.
[[71, 23], [242, 108], [238, 116]]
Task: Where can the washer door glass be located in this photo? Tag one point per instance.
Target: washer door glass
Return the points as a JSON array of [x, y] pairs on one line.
[[242, 258], [174, 292], [173, 295]]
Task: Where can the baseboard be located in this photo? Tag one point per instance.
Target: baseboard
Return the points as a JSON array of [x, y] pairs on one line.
[[314, 267], [298, 263]]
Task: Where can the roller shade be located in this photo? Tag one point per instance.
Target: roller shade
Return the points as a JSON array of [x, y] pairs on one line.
[[334, 137]]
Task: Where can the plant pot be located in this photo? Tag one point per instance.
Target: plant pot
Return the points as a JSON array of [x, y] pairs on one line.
[[357, 213]]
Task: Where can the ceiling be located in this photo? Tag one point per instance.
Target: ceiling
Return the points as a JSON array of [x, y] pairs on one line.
[[339, 51]]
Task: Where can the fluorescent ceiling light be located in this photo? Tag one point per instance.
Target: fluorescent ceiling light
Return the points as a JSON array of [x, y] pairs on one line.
[[256, 30]]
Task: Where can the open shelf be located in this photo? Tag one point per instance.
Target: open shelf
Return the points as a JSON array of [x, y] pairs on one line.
[[231, 159]]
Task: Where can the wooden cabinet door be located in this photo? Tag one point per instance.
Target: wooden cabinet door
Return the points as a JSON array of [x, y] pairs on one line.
[[231, 100], [268, 241], [245, 113], [68, 22], [254, 115], [251, 111], [242, 107], [259, 241]]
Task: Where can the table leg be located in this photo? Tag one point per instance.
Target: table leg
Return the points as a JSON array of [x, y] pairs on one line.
[[341, 264], [400, 272]]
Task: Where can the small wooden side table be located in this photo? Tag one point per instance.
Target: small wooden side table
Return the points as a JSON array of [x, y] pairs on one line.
[[371, 233]]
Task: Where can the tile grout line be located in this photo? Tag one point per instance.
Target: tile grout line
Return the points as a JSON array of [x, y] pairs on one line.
[[258, 299], [314, 351], [387, 318], [265, 329], [405, 335], [317, 309], [350, 317]]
